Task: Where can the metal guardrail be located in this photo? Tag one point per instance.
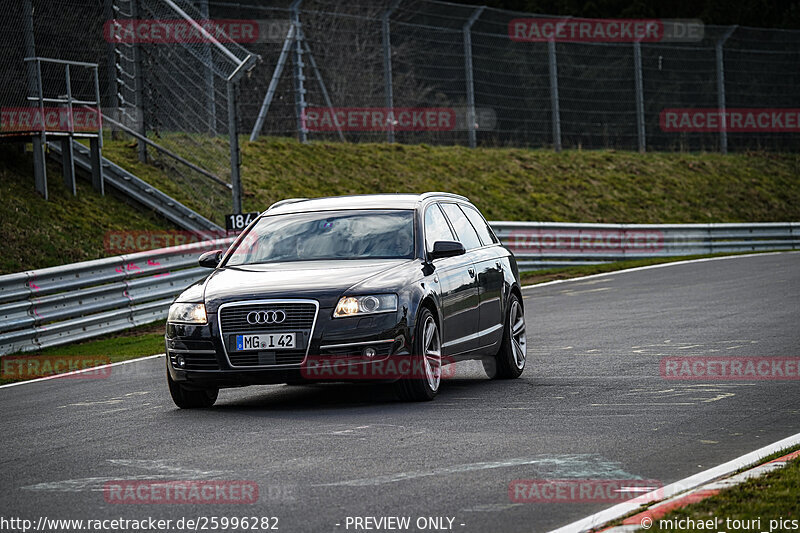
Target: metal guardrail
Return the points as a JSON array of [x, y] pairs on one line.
[[539, 245], [58, 305], [63, 304]]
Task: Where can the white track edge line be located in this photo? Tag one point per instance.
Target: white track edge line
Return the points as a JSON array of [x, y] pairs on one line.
[[691, 482], [648, 267], [81, 371]]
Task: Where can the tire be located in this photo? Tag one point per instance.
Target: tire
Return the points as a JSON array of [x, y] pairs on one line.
[[428, 356], [510, 360], [191, 399]]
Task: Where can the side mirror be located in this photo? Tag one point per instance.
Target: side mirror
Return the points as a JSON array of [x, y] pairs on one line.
[[210, 259], [446, 249]]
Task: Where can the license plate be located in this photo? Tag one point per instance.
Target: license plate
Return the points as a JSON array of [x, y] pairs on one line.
[[266, 341]]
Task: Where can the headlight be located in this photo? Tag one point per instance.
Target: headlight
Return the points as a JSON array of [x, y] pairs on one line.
[[187, 313], [365, 305]]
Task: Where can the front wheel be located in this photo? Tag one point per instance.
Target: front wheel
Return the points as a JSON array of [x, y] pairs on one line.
[[423, 382], [510, 360], [191, 399]]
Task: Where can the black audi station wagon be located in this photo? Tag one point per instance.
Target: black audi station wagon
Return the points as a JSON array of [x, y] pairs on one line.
[[387, 287]]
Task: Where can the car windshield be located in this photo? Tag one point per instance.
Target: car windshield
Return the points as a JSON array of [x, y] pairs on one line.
[[327, 235]]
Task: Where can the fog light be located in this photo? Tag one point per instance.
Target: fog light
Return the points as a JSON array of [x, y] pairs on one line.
[[179, 361], [369, 351]]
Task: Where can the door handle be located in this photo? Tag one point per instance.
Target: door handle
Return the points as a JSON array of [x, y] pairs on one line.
[[471, 272], [499, 265]]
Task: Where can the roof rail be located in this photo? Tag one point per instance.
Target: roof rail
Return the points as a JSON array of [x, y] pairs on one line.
[[287, 201], [448, 194]]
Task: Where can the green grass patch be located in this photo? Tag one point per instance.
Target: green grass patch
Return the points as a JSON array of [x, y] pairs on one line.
[[516, 183], [769, 497], [128, 344], [38, 233], [505, 183]]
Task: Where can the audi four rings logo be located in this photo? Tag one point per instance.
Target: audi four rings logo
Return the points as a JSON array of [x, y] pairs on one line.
[[266, 317]]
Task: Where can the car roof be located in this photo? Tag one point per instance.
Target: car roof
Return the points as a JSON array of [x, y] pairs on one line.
[[361, 201]]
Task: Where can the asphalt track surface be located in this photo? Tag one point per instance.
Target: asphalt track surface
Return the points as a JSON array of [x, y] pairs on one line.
[[591, 404]]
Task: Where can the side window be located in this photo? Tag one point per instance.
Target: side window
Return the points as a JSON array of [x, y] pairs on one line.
[[436, 228], [464, 230], [479, 223]]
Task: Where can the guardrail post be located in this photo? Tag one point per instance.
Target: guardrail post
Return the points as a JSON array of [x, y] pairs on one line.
[[387, 70], [467, 30], [639, 83], [723, 129], [555, 113]]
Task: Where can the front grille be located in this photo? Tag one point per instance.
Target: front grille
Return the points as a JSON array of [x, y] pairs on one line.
[[300, 318]]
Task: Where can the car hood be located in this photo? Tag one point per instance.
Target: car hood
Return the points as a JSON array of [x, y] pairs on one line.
[[324, 281]]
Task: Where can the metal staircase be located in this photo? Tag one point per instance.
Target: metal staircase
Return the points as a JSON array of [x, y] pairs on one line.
[[139, 190]]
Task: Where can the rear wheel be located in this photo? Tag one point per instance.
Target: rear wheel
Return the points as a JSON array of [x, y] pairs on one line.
[[426, 359], [190, 398], [510, 360]]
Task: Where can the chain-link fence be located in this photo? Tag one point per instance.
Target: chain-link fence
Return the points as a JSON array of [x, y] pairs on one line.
[[168, 93], [409, 71], [580, 93]]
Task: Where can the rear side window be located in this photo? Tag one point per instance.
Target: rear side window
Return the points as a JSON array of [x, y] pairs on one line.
[[464, 230], [479, 223], [436, 227]]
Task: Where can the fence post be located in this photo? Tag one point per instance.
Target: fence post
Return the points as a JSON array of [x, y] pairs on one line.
[[112, 89], [723, 130], [299, 78], [35, 88], [322, 87], [467, 30], [639, 83], [138, 88], [208, 73], [556, 115], [387, 70], [273, 84]]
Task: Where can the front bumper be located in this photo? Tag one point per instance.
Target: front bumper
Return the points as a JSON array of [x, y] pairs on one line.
[[196, 356]]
